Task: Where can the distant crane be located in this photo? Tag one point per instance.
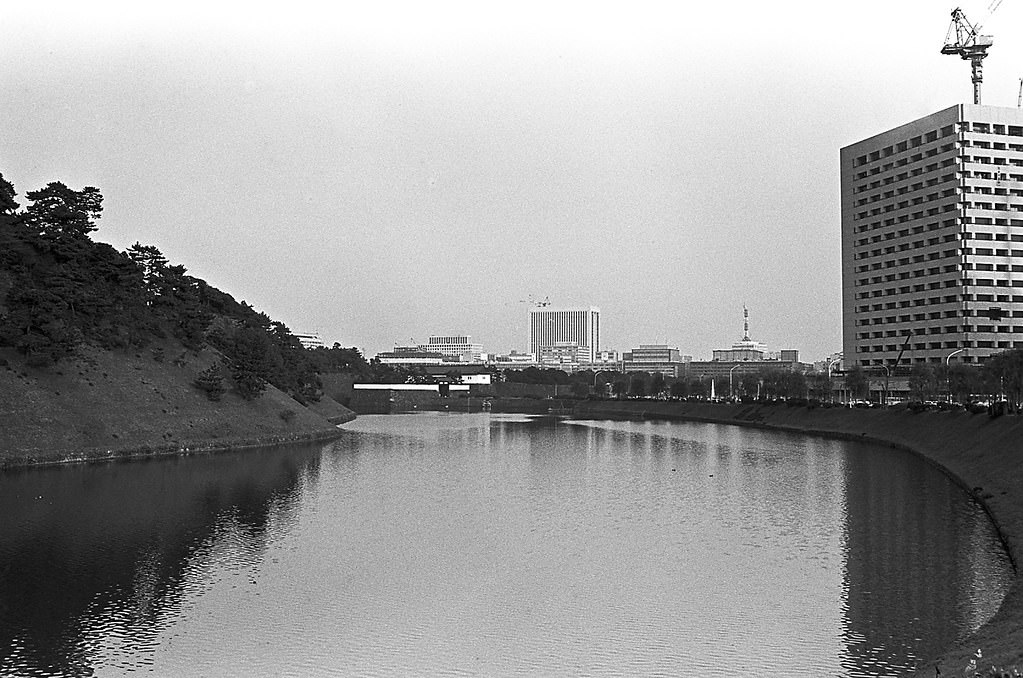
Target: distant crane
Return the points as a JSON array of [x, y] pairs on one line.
[[533, 301], [970, 45]]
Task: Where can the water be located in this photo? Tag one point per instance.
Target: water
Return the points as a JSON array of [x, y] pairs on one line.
[[495, 545]]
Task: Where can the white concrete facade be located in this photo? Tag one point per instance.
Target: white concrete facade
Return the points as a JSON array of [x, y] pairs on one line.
[[932, 239], [549, 328]]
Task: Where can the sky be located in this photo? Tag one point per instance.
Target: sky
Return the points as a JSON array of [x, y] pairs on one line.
[[382, 172]]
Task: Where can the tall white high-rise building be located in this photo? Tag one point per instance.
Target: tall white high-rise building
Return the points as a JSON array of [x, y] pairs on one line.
[[550, 328], [932, 239]]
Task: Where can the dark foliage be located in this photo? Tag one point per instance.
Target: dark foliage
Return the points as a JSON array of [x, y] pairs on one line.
[[59, 289], [211, 380], [340, 360]]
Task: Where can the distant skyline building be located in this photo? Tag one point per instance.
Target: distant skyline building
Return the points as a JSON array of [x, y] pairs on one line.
[[932, 239], [457, 348], [550, 328], [309, 339], [458, 345], [745, 348], [653, 358]]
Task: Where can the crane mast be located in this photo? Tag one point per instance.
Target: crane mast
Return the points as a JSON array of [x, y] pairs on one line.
[[964, 39]]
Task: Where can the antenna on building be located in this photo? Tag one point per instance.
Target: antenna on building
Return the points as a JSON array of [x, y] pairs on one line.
[[1019, 99], [745, 323]]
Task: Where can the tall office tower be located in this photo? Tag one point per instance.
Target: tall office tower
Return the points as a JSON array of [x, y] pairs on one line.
[[556, 327], [932, 239]]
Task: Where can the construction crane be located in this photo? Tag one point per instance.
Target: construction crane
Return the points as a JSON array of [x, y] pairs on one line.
[[970, 45], [538, 303]]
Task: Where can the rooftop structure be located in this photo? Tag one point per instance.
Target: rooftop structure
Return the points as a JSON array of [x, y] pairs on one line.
[[745, 348]]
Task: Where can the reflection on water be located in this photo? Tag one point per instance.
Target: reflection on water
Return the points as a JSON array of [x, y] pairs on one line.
[[95, 560], [496, 545]]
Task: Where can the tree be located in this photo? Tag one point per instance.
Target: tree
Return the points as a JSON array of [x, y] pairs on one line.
[[60, 212], [152, 263], [619, 388], [962, 381], [923, 382], [657, 384], [680, 388], [857, 383], [820, 385], [250, 362], [211, 381], [580, 389], [638, 384], [1006, 370], [7, 204]]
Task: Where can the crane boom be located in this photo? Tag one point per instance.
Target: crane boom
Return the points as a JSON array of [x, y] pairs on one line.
[[964, 39]]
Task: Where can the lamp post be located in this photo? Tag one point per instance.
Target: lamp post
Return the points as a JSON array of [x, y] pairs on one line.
[[887, 375], [730, 380], [598, 373], [948, 377], [831, 364]]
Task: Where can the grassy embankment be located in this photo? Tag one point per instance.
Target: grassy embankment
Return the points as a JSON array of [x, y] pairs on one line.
[[984, 455], [117, 404]]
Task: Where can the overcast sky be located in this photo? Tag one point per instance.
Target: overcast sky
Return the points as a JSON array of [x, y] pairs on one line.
[[383, 171]]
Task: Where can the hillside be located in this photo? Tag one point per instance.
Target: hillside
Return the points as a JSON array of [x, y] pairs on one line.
[[103, 404], [109, 353]]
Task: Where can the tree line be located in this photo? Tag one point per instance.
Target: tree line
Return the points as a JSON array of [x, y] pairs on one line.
[[61, 290]]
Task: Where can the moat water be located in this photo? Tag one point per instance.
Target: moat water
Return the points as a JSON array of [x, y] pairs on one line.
[[496, 545]]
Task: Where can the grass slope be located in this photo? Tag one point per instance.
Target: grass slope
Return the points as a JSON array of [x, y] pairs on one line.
[[103, 404]]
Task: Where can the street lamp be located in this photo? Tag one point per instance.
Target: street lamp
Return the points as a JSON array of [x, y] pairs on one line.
[[948, 377], [887, 374], [730, 379], [831, 395], [598, 373]]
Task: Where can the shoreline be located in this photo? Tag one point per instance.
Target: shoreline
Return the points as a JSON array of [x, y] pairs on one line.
[[982, 455], [92, 455]]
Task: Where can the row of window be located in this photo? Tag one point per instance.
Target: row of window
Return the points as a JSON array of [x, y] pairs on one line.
[[991, 145], [934, 135], [936, 285], [990, 128], [915, 172], [918, 200], [937, 270], [920, 228], [991, 160], [937, 360], [905, 233], [904, 146], [993, 313], [931, 256], [948, 329], [896, 178], [924, 346], [930, 212], [935, 225], [997, 173]]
